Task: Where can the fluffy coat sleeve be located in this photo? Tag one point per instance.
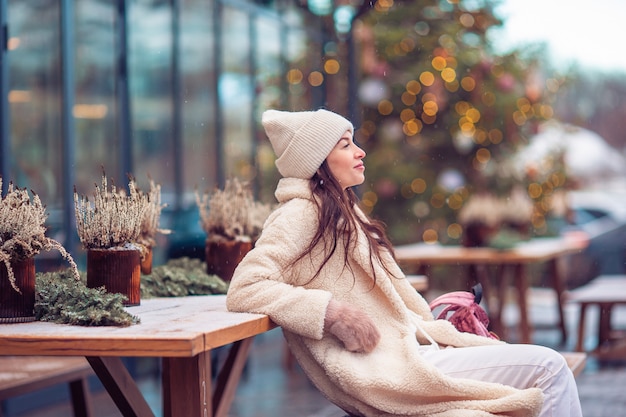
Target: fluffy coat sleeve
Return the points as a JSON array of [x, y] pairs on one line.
[[260, 278]]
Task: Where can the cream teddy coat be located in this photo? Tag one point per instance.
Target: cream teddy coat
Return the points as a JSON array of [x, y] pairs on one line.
[[392, 380]]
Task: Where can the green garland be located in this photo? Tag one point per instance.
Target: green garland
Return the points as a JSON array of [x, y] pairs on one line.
[[60, 298], [179, 278]]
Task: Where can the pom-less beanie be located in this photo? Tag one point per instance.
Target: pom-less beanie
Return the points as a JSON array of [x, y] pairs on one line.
[[303, 140]]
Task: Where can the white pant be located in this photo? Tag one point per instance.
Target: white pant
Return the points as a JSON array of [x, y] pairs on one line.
[[519, 366]]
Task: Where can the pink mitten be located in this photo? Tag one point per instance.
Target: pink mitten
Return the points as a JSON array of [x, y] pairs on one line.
[[352, 326]]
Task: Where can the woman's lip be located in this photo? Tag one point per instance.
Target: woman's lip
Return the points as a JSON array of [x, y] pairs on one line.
[[360, 166]]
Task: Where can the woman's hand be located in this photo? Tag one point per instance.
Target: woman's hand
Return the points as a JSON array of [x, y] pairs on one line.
[[352, 326]]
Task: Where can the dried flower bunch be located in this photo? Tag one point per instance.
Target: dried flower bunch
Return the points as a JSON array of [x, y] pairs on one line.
[[492, 210], [114, 219], [22, 230], [232, 213], [481, 208], [151, 217]]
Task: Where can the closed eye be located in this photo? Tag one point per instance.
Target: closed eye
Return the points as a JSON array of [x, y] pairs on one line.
[[344, 143]]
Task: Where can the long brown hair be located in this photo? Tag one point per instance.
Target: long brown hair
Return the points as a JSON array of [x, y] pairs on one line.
[[338, 221]]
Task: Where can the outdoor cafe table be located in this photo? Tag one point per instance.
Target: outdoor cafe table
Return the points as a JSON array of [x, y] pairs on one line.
[[179, 330], [422, 256]]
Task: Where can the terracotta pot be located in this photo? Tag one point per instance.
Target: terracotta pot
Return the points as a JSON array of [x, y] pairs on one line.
[[118, 270], [18, 307], [477, 234], [222, 257], [146, 262]]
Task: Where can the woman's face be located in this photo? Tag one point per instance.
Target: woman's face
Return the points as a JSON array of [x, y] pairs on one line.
[[345, 162]]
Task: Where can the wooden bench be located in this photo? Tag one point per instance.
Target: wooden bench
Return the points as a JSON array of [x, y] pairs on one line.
[[24, 374], [606, 291]]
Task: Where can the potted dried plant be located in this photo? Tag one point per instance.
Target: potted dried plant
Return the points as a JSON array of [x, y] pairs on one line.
[[232, 220], [150, 226], [498, 221], [22, 236], [109, 230], [480, 218]]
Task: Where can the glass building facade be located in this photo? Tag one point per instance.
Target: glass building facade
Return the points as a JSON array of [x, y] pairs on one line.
[[165, 89]]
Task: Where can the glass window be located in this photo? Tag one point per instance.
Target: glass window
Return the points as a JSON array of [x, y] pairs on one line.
[[235, 91], [34, 98], [150, 47], [198, 97], [269, 68], [248, 73], [300, 66], [269, 81], [95, 114]]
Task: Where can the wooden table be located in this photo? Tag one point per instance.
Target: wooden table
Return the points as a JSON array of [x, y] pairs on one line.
[[421, 256], [606, 292], [181, 331]]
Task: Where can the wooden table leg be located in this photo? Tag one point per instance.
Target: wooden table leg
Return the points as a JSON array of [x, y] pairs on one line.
[[228, 377], [81, 398], [581, 328], [521, 283], [555, 273], [502, 285], [604, 324], [187, 386], [120, 386], [473, 275], [494, 303]]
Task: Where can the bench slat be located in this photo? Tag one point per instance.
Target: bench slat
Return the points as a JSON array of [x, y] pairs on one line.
[[22, 374]]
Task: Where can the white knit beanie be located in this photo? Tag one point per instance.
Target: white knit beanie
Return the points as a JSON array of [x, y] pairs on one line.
[[303, 140]]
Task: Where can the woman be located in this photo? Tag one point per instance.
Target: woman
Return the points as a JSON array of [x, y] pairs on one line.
[[326, 274]]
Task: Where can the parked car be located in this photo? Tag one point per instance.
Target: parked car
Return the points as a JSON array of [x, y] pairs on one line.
[[601, 214]]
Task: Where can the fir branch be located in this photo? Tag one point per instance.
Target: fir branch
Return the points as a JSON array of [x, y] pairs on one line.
[[60, 300], [181, 277]]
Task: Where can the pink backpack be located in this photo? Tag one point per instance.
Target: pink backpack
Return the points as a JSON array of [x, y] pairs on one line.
[[467, 315]]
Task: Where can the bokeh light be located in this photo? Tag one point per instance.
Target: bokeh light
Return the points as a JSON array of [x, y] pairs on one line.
[[413, 87], [430, 108], [439, 63], [294, 76], [430, 236], [408, 99], [483, 155], [427, 78], [448, 75], [455, 231], [468, 83], [316, 78], [418, 185], [385, 107], [332, 66]]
